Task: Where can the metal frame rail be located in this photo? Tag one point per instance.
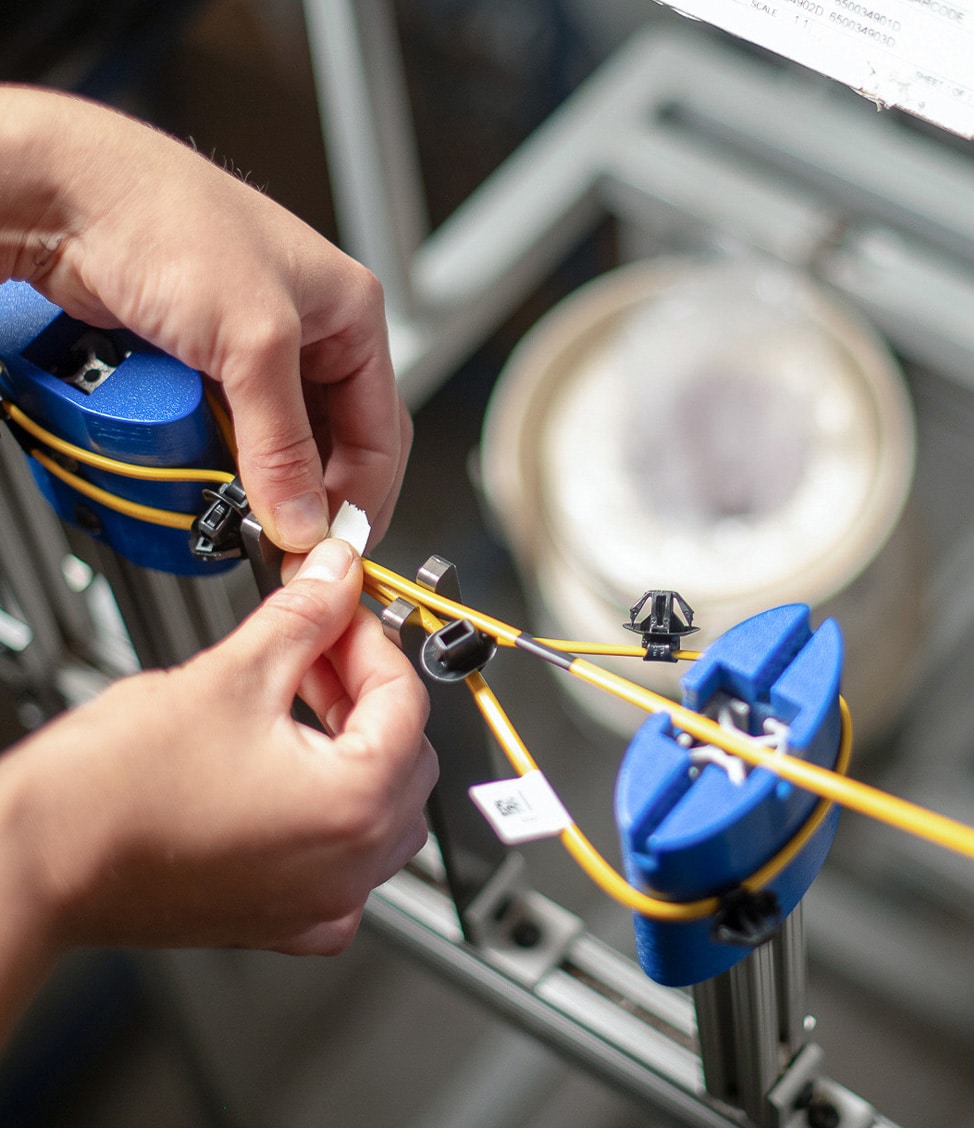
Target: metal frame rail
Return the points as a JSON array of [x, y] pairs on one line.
[[596, 1008], [680, 135]]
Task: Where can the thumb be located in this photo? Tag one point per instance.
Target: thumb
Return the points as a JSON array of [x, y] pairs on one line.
[[295, 624]]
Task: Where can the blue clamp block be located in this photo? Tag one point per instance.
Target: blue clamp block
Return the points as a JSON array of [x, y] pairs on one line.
[[692, 826], [111, 393]]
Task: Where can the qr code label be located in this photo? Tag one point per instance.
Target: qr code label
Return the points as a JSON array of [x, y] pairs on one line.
[[523, 809]]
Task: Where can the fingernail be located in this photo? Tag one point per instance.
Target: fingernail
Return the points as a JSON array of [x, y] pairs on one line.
[[302, 521], [329, 561]]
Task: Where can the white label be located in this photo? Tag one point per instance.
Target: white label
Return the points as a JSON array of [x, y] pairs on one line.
[[351, 524], [915, 54], [523, 809]]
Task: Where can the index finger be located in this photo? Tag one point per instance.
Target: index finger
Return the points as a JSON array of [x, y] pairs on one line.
[[373, 688]]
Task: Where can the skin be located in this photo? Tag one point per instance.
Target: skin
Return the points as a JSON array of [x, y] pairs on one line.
[[186, 807], [122, 225]]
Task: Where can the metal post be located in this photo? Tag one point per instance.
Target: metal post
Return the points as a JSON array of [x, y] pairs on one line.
[[750, 1022]]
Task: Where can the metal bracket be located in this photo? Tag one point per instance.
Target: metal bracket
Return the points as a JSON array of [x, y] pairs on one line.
[[263, 554], [517, 930], [804, 1096]]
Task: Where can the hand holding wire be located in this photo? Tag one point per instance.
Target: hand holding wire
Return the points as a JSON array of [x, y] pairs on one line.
[[384, 585]]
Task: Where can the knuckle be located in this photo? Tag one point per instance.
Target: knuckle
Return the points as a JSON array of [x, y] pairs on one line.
[[363, 823], [370, 293], [290, 458], [267, 332], [362, 313], [299, 608]]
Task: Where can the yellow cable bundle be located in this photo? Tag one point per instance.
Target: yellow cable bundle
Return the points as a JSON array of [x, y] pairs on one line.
[[385, 586], [832, 786]]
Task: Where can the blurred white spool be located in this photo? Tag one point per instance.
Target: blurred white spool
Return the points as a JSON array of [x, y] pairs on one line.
[[726, 430]]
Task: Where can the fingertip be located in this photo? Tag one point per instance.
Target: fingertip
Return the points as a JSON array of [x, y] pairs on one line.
[[299, 523], [330, 561]]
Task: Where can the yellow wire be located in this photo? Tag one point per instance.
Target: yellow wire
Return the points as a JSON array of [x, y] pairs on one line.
[[387, 585], [386, 581], [852, 794], [386, 592], [222, 421], [588, 858], [595, 865], [163, 517], [870, 801], [578, 846], [605, 649], [102, 462], [584, 853], [500, 725]]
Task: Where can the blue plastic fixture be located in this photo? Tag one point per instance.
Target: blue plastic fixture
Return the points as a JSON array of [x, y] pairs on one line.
[[694, 823], [110, 392]]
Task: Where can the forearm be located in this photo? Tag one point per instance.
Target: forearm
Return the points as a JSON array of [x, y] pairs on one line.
[[38, 153], [66, 163]]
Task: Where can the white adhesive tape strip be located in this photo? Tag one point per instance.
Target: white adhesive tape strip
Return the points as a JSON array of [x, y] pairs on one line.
[[351, 524]]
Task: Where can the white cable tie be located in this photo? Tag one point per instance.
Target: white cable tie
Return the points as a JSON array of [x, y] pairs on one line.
[[776, 736], [710, 754]]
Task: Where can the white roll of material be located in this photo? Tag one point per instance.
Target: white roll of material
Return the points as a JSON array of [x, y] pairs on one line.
[[726, 430]]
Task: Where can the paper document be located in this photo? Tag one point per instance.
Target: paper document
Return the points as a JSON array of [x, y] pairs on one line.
[[914, 54]]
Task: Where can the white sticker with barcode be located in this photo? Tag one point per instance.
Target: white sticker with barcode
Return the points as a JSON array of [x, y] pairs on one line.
[[523, 809]]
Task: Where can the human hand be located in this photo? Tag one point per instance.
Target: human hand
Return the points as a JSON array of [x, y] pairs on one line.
[[187, 808], [119, 224]]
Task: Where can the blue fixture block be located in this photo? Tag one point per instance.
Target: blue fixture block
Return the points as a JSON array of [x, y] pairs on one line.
[[110, 392], [695, 825]]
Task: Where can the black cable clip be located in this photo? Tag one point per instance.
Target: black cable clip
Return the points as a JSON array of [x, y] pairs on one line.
[[664, 627], [457, 650], [216, 533], [746, 918]]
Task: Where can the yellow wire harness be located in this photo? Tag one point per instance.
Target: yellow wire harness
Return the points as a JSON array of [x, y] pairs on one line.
[[164, 517], [830, 785], [384, 585], [589, 860], [112, 465]]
